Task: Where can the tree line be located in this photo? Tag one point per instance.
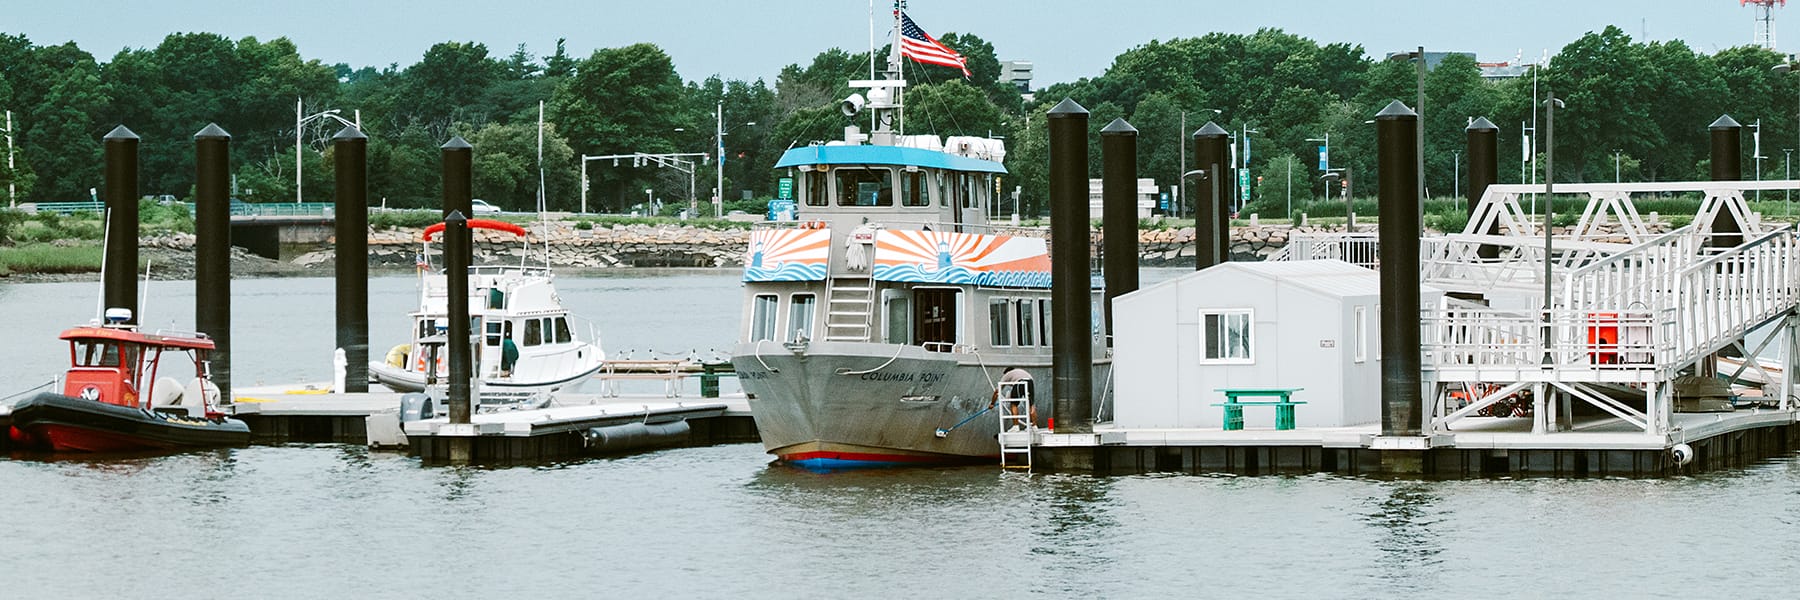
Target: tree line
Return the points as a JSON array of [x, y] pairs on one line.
[[1636, 108]]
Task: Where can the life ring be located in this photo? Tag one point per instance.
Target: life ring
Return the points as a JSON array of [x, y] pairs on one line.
[[396, 356]]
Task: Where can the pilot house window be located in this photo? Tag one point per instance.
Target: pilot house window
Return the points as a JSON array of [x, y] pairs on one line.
[[816, 188], [912, 189], [865, 187]]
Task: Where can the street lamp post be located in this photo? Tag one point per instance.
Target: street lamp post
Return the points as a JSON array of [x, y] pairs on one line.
[[299, 127], [1616, 178], [1783, 68], [1243, 169], [1324, 158], [12, 196], [1756, 152], [1456, 179], [719, 133], [1787, 168]]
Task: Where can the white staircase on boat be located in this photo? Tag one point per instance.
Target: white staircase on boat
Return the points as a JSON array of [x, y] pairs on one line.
[[1016, 427], [849, 308]]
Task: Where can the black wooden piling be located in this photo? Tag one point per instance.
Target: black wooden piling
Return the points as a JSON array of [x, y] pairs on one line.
[[1118, 190], [212, 248], [1071, 282], [458, 184], [459, 158], [1212, 214], [351, 148], [1402, 401], [456, 280], [1727, 165], [120, 271], [1484, 170]]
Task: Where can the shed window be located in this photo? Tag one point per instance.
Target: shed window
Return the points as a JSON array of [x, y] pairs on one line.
[[762, 318], [1225, 336], [865, 187], [1362, 334]]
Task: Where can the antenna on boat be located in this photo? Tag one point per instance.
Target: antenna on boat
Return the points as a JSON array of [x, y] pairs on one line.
[[543, 200], [105, 237], [144, 294]]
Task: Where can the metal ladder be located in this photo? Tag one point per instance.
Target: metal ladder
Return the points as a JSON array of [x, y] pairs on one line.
[[1017, 431], [848, 308]]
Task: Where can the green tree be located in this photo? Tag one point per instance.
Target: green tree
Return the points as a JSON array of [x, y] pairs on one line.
[[617, 102]]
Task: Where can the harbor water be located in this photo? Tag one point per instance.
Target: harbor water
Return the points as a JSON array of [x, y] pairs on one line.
[[721, 521]]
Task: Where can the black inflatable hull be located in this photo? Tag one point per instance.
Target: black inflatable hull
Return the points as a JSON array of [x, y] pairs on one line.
[[58, 423]]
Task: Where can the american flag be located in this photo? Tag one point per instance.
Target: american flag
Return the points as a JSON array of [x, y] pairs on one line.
[[920, 46]]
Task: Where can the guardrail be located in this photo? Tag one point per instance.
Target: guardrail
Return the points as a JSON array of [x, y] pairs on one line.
[[238, 209]]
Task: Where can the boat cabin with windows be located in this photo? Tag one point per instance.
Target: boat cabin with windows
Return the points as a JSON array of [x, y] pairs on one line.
[[122, 367]]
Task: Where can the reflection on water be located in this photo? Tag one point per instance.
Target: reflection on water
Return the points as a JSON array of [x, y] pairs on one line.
[[722, 521], [1405, 540]]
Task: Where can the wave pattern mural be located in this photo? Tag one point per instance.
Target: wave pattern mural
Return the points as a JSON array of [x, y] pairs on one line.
[[961, 259], [787, 255]]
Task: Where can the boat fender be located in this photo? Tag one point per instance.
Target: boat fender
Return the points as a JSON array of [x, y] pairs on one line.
[[626, 437], [1682, 453], [416, 407], [396, 356]]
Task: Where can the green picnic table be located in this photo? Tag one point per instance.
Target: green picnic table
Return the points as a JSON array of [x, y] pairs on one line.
[[1234, 405]]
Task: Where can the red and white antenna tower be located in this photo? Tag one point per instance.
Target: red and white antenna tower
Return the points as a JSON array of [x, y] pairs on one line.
[[1765, 20]]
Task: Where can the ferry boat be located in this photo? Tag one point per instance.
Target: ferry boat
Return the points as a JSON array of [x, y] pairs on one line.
[[878, 326], [115, 398], [529, 343]]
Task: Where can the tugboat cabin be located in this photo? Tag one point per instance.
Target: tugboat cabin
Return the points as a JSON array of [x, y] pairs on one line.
[[119, 366]]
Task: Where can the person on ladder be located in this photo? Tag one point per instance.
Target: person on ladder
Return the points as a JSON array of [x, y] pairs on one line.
[[1016, 375]]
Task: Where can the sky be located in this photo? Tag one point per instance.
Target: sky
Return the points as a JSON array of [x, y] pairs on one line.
[[1065, 39]]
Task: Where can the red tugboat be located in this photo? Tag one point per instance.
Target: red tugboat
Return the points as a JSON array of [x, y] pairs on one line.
[[112, 399]]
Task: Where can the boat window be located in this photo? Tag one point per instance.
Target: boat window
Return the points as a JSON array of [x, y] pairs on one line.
[[800, 317], [899, 309], [762, 318], [943, 189], [493, 333], [562, 331], [96, 354], [865, 187], [816, 188], [967, 193], [533, 332], [1225, 336], [1044, 321], [912, 189], [999, 322], [1026, 310]]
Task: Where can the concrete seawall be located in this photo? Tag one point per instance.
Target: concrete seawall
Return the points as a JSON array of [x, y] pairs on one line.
[[687, 246]]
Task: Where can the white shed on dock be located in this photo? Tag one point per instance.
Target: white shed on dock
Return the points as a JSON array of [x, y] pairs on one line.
[[1301, 324]]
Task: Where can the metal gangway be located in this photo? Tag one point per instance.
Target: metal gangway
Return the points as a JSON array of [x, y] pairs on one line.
[[1627, 310], [1017, 429]]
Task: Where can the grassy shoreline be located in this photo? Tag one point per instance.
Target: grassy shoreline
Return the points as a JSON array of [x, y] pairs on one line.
[[42, 258]]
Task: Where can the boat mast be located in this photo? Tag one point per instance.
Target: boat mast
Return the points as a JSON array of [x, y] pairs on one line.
[[898, 114]]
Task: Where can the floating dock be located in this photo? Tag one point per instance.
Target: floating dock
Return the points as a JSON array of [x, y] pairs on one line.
[[560, 429], [1601, 349]]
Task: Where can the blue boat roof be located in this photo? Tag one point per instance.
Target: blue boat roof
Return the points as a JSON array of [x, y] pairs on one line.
[[885, 155]]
